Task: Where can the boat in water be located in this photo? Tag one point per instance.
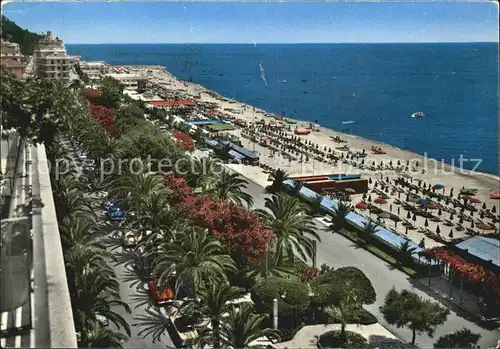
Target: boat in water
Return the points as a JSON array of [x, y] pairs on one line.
[[418, 114], [347, 122]]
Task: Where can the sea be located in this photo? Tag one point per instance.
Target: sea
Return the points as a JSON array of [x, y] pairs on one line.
[[370, 90]]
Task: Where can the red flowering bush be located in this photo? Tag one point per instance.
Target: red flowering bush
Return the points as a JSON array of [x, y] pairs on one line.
[[230, 222], [91, 94], [105, 117], [308, 274], [184, 141], [474, 272], [178, 186]]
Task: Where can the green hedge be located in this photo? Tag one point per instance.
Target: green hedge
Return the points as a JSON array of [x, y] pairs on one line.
[[295, 302], [331, 339], [421, 268], [359, 316]]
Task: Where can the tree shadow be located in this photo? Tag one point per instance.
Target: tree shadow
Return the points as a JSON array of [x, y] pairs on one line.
[[483, 323], [383, 342]]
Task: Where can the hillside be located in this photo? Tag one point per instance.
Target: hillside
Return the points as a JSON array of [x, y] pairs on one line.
[[12, 32]]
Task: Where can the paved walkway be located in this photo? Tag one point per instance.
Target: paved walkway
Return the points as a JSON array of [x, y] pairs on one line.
[[308, 336], [337, 251]]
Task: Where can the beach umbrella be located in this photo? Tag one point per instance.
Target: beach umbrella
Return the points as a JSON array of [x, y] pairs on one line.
[[383, 215], [451, 216], [370, 180], [369, 198], [406, 230], [438, 230], [364, 196], [399, 195], [440, 212], [426, 223], [408, 215], [494, 209], [450, 235], [399, 210], [472, 224], [484, 205], [484, 226], [461, 220], [438, 186], [451, 192], [390, 207], [361, 205], [482, 215], [414, 218]]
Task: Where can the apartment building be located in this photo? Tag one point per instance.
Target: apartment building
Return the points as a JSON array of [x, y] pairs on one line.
[[52, 60], [11, 59], [10, 50], [96, 69], [131, 81]]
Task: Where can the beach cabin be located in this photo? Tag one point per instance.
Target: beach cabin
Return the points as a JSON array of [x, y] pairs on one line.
[[334, 182], [482, 250]]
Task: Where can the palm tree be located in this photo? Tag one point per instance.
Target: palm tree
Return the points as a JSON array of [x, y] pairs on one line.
[[212, 303], [230, 186], [297, 186], [68, 198], [79, 231], [203, 173], [293, 228], [93, 289], [132, 190], [195, 258], [155, 212], [369, 228], [98, 336], [407, 250], [340, 212], [278, 177], [76, 84], [315, 203], [271, 265], [238, 330]]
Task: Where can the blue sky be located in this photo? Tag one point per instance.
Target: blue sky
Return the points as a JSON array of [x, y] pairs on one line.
[[157, 22]]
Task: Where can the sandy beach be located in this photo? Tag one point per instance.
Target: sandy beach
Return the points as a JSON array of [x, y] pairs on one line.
[[434, 171]]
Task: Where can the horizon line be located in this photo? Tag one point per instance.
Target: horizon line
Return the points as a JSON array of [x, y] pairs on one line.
[[281, 43]]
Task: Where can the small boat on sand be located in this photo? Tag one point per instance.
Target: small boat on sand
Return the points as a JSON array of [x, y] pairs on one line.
[[418, 114], [302, 132]]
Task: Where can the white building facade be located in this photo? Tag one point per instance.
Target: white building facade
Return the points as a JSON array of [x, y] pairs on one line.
[[95, 70], [131, 81], [52, 60]]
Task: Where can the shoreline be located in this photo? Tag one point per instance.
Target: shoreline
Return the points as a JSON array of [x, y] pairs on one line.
[[444, 165], [379, 169]]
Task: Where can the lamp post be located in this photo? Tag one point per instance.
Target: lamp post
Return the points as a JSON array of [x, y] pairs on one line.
[[275, 313]]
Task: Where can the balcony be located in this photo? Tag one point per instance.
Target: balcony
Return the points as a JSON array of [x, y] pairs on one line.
[[36, 308]]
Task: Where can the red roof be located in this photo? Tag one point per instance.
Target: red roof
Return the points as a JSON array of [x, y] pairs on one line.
[[172, 102]]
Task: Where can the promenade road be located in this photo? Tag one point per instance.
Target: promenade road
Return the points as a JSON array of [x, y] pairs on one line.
[[337, 251]]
